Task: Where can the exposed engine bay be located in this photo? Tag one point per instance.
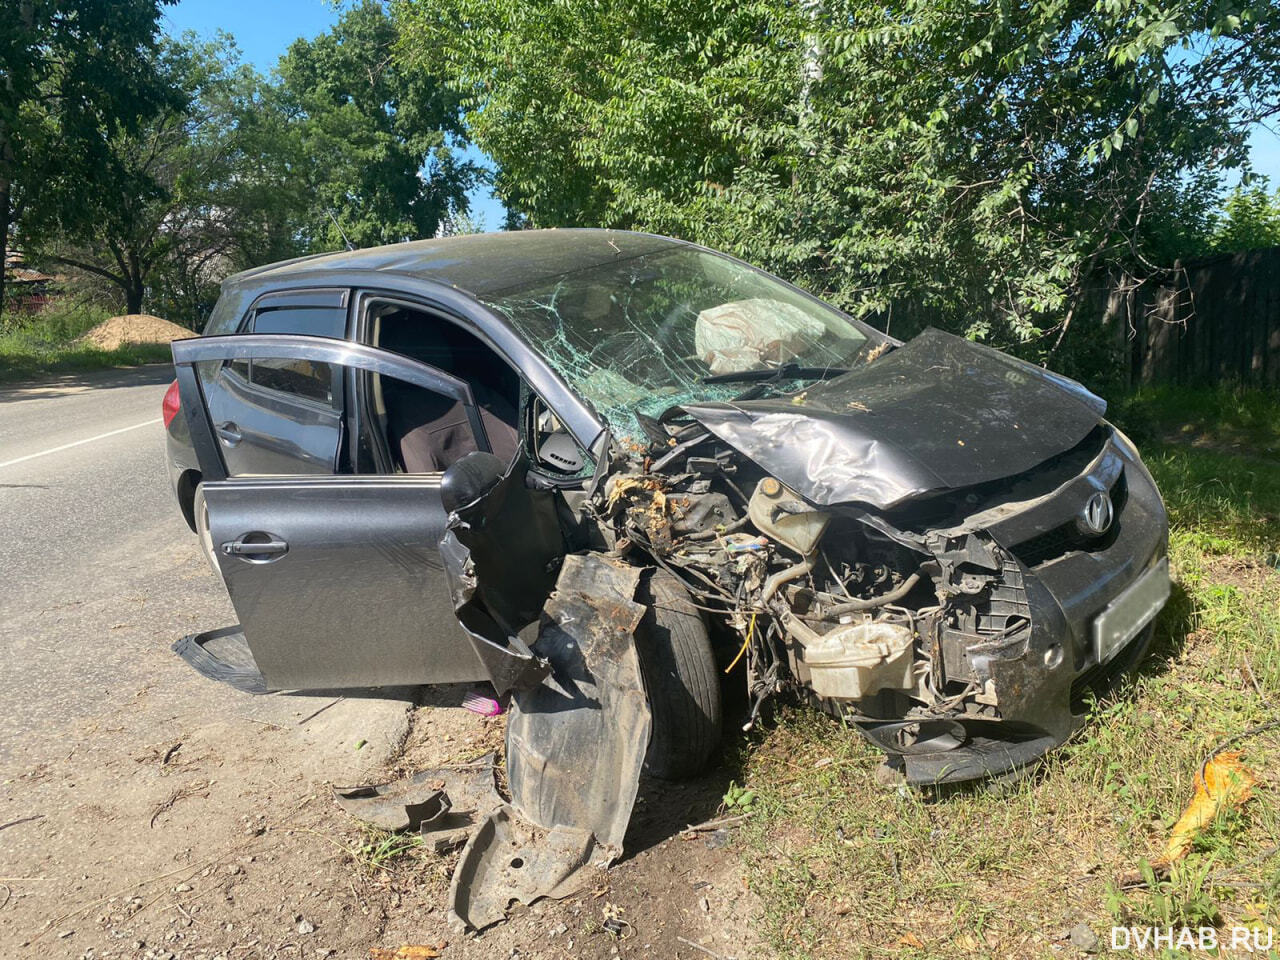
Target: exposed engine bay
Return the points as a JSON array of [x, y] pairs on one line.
[[916, 625], [881, 625]]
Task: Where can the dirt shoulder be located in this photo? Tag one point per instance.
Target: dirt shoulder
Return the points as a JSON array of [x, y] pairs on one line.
[[671, 890], [146, 835], [145, 810], [159, 840]]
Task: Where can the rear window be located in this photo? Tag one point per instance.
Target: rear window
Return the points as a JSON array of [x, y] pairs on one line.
[[228, 311], [311, 321]]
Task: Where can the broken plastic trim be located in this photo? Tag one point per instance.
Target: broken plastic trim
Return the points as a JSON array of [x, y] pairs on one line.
[[500, 554], [575, 748], [223, 655], [576, 744]]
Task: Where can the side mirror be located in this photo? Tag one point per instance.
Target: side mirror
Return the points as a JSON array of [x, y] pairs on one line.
[[469, 479]]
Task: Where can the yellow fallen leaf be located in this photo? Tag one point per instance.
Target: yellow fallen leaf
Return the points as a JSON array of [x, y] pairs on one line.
[[1226, 782], [409, 951], [909, 939]]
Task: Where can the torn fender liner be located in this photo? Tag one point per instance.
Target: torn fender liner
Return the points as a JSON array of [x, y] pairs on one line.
[[575, 747], [515, 861], [395, 806], [500, 554]]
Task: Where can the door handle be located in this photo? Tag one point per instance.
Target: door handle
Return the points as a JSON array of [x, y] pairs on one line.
[[230, 433], [256, 547]]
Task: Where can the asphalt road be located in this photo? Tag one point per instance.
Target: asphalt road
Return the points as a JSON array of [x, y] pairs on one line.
[[85, 517], [118, 763], [99, 574]]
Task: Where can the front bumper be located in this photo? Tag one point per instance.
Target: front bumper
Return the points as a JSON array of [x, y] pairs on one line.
[[1064, 586]]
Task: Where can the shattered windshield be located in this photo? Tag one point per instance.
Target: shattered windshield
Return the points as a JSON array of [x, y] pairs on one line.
[[640, 334]]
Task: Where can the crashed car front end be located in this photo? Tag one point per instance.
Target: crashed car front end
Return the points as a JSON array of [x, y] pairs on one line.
[[959, 627], [942, 545], [960, 633]]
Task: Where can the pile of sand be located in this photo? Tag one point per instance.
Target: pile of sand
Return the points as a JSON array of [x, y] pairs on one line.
[[134, 328]]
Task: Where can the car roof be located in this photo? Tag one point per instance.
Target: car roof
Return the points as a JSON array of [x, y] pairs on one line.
[[483, 264]]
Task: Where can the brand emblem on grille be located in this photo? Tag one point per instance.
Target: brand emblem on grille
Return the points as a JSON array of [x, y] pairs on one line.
[[1097, 515]]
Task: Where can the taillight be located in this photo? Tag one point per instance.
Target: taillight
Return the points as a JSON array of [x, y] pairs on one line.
[[171, 405]]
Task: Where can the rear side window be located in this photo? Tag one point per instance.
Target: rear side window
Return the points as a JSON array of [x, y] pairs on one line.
[[310, 321], [304, 379]]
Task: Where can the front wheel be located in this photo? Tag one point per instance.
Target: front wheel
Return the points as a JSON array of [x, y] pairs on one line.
[[680, 678]]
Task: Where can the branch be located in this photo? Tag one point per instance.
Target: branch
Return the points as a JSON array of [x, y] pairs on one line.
[[86, 267]]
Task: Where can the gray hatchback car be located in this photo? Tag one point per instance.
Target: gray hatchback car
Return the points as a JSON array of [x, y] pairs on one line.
[[603, 470]]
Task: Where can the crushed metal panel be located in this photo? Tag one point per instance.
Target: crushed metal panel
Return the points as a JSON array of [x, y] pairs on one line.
[[575, 748], [939, 412], [509, 662], [500, 554]]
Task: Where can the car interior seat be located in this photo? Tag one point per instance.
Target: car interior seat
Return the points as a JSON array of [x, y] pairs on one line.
[[426, 431]]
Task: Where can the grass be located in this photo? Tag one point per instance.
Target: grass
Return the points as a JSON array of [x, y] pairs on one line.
[[36, 345], [376, 850], [846, 867], [382, 849]]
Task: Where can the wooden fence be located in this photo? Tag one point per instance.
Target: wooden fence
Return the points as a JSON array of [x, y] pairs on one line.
[[1215, 319]]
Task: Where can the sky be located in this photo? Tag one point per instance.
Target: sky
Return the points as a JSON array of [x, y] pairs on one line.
[[263, 30], [1264, 149]]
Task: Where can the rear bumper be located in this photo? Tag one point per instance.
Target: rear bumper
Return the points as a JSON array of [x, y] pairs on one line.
[[181, 464]]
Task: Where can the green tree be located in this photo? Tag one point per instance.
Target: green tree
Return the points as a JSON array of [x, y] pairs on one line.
[[1250, 219], [921, 161], [376, 145], [73, 75], [186, 202]]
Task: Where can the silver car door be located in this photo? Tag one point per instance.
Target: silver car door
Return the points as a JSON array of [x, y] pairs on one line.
[[337, 580]]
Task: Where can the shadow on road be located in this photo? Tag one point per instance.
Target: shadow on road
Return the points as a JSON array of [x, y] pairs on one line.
[[68, 384]]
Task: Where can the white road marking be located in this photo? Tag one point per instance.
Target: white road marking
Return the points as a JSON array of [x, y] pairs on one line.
[[68, 446]]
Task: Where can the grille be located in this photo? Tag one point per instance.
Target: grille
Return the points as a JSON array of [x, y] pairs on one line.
[[1066, 537], [1008, 602]]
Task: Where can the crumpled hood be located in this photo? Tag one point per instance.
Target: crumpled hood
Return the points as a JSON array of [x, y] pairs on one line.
[[937, 413]]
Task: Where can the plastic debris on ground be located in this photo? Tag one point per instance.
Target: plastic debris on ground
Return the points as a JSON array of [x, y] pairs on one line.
[[444, 805], [485, 706], [409, 951], [1223, 782]]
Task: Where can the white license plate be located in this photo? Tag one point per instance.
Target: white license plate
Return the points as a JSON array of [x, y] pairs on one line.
[[1128, 613]]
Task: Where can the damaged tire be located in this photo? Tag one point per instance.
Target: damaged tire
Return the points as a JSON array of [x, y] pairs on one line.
[[680, 678]]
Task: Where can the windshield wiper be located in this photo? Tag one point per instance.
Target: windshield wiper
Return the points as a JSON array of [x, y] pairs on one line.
[[786, 371]]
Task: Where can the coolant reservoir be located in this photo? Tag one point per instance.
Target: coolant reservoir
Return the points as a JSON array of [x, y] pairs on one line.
[[778, 512], [859, 659]]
